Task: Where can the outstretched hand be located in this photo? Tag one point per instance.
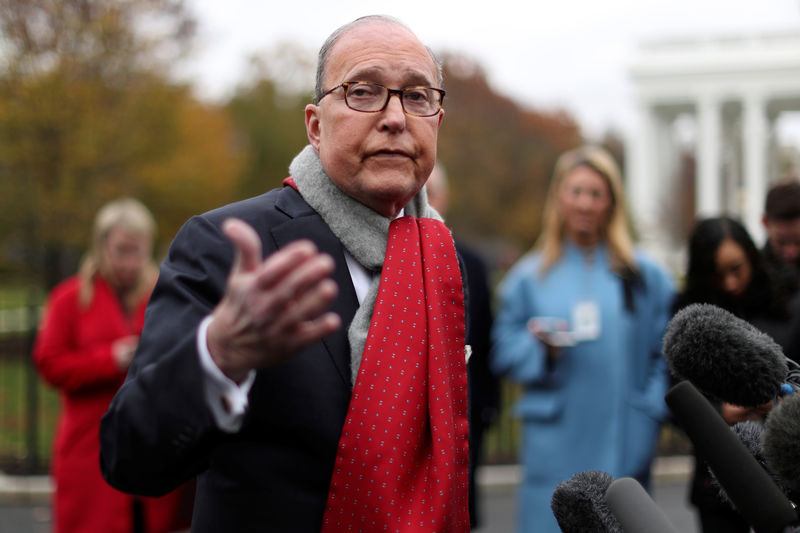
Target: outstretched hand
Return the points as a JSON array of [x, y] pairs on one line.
[[272, 308]]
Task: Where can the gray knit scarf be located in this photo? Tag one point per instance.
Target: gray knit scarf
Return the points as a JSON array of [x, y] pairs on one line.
[[362, 231]]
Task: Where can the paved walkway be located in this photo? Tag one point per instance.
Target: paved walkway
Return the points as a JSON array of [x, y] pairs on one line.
[[671, 476], [24, 500]]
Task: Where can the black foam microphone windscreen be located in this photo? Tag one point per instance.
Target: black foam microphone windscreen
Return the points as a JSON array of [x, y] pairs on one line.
[[579, 504], [724, 356], [635, 509], [782, 440], [757, 498]]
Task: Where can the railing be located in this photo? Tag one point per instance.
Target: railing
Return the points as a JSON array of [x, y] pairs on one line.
[[28, 408], [501, 441]]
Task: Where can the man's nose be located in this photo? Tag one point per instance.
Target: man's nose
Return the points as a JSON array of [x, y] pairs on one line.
[[394, 113]]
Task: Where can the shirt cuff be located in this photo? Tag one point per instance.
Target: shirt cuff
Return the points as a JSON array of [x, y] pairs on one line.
[[227, 400]]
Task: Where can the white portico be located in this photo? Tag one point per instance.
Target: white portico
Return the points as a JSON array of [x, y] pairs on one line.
[[732, 90]]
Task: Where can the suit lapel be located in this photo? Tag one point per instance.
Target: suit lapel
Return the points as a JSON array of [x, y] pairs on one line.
[[306, 223]]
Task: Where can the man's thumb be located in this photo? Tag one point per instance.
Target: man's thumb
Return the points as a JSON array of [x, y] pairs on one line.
[[247, 244]]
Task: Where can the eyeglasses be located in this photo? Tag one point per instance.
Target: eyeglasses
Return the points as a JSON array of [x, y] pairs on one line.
[[368, 97]]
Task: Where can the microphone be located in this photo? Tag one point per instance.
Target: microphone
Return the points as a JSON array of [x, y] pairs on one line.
[[724, 356], [579, 504], [752, 435], [748, 486], [635, 509], [782, 440]]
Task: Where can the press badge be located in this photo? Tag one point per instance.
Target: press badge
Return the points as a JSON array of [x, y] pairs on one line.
[[586, 320]]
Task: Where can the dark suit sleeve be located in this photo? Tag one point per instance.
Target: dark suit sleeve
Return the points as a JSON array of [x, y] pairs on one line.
[[158, 431], [485, 387]]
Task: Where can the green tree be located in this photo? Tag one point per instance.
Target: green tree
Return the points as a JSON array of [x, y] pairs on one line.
[[85, 106], [201, 171], [499, 156], [268, 114], [270, 128]]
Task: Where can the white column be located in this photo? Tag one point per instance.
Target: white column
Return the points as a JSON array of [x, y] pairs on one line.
[[708, 196], [665, 162], [730, 169], [773, 163], [640, 155], [754, 134]]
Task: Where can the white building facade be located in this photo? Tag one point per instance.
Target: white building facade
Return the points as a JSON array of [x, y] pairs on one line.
[[730, 92]]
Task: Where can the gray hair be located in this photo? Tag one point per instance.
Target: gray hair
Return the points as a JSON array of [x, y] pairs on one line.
[[330, 42]]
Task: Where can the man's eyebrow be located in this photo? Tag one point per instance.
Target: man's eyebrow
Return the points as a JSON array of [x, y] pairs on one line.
[[367, 74], [377, 75], [417, 78]]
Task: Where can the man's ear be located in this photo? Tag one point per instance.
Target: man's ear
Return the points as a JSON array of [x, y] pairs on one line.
[[312, 125]]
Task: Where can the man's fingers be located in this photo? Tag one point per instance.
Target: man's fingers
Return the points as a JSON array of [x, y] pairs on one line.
[[302, 277], [282, 267], [272, 307], [307, 305], [304, 292], [304, 333], [311, 331], [247, 244]]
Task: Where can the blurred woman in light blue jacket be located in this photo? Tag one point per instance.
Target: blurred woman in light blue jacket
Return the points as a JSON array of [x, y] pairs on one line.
[[580, 325]]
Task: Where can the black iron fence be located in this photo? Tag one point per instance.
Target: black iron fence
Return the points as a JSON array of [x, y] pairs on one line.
[[29, 407]]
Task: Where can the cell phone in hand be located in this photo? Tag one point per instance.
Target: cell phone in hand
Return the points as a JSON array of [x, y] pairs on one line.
[[552, 330]]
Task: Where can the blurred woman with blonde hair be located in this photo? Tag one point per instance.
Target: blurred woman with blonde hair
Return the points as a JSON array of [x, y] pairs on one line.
[[579, 325], [86, 341]]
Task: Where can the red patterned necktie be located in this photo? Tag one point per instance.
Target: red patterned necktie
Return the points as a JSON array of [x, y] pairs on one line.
[[402, 458]]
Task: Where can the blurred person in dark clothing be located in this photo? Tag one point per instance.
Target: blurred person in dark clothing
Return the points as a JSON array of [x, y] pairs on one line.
[[484, 387], [781, 221], [726, 269]]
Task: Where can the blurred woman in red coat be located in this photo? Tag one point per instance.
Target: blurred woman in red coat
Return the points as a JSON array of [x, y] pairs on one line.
[[85, 343]]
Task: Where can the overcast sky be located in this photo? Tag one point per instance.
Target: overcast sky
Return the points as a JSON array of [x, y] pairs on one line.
[[571, 54]]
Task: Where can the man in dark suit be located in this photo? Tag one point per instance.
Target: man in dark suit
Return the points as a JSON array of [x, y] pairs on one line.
[[484, 387], [303, 351]]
